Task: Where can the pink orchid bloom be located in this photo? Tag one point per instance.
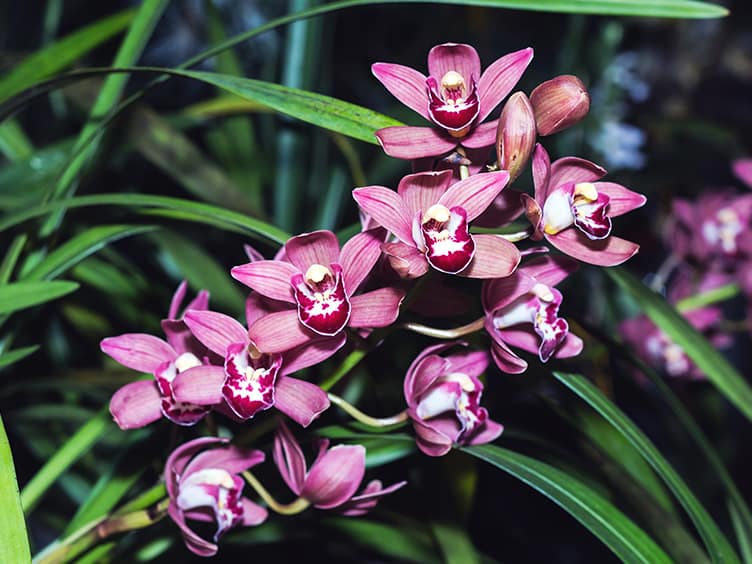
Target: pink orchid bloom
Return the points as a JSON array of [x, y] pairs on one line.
[[573, 211], [743, 170], [714, 231], [142, 402], [253, 380], [522, 311], [205, 486], [455, 96], [318, 283], [430, 218], [443, 399], [333, 478]]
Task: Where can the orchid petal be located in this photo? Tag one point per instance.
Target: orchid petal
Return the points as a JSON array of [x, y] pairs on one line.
[[541, 174], [335, 477], [574, 169], [387, 208], [136, 405], [449, 245], [500, 292], [505, 208], [178, 460], [323, 304], [456, 57], [430, 441], [270, 278], [289, 459], [177, 299], [404, 83], [138, 351], [180, 338], [405, 142], [500, 77], [379, 308], [317, 247], [495, 257], [475, 193], [421, 190], [472, 363], [605, 252], [504, 358], [572, 346], [250, 383], [301, 401], [312, 353], [215, 330], [201, 385], [743, 170], [406, 260], [621, 199], [368, 498], [488, 432], [193, 542], [482, 136], [257, 306], [232, 459], [549, 270], [424, 371], [358, 257], [253, 513], [279, 332]]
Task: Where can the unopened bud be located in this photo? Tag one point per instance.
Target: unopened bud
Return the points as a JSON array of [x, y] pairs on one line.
[[559, 103], [515, 136]]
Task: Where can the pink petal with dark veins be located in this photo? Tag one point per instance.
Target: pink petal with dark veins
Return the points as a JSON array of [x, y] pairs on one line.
[[307, 249], [500, 77], [136, 405], [138, 351], [301, 401], [387, 208], [475, 193], [495, 257], [606, 252], [404, 142], [215, 330], [379, 308], [270, 278], [404, 83]]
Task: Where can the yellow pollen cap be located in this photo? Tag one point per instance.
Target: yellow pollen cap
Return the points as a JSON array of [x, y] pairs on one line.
[[452, 81], [587, 190], [437, 212], [317, 273]]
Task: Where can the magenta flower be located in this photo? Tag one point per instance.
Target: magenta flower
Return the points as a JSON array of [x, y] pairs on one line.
[[430, 217], [253, 380], [205, 486], [522, 311], [142, 402], [333, 478], [318, 283], [573, 211], [443, 400], [714, 231], [455, 96]]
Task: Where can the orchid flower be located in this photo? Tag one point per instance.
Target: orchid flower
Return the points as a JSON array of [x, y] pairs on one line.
[[522, 311], [205, 486], [333, 478], [142, 402], [573, 211], [429, 216], [714, 231], [455, 96], [317, 284], [253, 380], [443, 399]]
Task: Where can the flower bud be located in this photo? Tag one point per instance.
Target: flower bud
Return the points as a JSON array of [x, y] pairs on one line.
[[515, 136], [559, 103]]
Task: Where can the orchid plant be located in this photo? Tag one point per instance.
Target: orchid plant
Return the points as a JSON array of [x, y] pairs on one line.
[[462, 282]]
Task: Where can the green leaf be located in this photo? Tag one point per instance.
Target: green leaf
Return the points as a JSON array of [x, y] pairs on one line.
[[62, 53], [21, 295], [317, 109], [9, 357], [710, 297], [73, 449], [202, 271], [455, 543], [14, 544], [598, 515], [718, 370], [716, 543], [82, 246], [13, 141], [412, 544], [191, 211]]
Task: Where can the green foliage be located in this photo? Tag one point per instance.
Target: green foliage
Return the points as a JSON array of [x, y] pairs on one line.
[[14, 544]]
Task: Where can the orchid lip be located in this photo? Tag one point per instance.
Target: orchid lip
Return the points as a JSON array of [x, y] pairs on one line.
[[450, 106], [449, 247], [249, 382], [180, 413], [323, 303]]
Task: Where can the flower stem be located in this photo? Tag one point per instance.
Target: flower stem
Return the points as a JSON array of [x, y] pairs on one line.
[[358, 415], [455, 333], [518, 236], [293, 508], [92, 533]]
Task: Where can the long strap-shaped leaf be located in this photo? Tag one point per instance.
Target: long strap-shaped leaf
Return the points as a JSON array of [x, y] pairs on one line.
[[14, 544], [21, 295], [718, 370], [598, 515], [184, 209], [716, 543]]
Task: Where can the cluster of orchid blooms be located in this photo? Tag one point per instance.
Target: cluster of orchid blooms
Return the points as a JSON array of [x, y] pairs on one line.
[[711, 247], [315, 295]]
